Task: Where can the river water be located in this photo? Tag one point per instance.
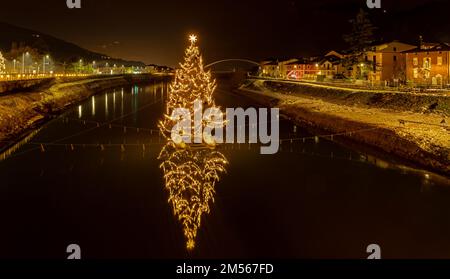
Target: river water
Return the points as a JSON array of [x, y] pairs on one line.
[[92, 177]]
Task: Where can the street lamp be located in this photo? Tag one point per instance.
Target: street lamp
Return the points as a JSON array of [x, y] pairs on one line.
[[43, 63], [93, 67], [23, 61], [81, 65]]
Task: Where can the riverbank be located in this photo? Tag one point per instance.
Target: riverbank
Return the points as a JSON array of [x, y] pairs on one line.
[[413, 130], [22, 111]]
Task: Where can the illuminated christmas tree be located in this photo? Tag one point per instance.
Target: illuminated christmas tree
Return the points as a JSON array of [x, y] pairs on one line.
[[2, 64], [191, 83], [190, 176], [190, 173]]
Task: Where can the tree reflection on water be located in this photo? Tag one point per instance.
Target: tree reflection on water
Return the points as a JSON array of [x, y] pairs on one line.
[[190, 176]]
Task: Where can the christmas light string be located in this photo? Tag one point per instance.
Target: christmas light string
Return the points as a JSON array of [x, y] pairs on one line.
[[125, 127], [329, 136], [228, 147], [191, 171], [190, 176], [357, 157], [96, 124], [191, 83]]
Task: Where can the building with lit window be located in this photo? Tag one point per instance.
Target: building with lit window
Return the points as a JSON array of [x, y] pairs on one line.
[[270, 69], [429, 64], [385, 63], [301, 69], [331, 65]]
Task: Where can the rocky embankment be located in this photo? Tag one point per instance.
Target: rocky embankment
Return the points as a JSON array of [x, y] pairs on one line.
[[20, 111], [413, 126], [11, 86]]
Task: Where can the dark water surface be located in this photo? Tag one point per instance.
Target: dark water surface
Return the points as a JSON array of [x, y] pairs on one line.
[[97, 186]]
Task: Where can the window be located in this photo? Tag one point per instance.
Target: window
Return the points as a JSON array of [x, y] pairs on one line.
[[427, 63], [395, 49], [416, 73], [416, 61], [395, 58], [439, 61]]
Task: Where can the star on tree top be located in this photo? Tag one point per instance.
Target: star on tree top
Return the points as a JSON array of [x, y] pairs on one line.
[[193, 38]]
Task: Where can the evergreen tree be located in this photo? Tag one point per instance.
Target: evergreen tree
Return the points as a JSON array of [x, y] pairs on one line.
[[191, 83], [190, 174], [360, 39]]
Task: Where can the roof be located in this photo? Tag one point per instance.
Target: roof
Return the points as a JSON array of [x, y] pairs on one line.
[[271, 63], [331, 58], [431, 48], [334, 53], [300, 61], [268, 60]]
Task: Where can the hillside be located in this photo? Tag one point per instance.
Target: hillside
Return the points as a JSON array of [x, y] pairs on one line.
[[60, 50]]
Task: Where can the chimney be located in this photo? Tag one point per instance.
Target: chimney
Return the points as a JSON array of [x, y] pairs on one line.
[[420, 42]]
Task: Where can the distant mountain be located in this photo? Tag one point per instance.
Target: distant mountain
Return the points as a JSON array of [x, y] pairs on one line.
[[62, 51]]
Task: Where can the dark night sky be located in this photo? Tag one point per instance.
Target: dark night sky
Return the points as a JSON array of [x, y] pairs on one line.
[[155, 31]]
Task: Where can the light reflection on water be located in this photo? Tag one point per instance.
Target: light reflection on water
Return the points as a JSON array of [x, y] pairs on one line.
[[190, 177], [93, 105]]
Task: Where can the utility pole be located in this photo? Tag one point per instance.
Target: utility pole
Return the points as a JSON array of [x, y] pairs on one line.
[[43, 63], [23, 61]]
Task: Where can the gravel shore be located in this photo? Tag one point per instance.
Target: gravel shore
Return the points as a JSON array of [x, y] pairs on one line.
[[422, 137]]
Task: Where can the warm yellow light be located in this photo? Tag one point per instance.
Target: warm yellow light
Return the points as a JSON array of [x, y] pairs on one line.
[[190, 177], [193, 38], [190, 171], [191, 83]]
